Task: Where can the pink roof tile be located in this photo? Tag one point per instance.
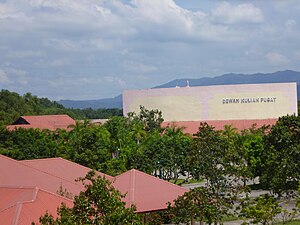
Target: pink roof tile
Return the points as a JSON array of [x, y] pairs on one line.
[[62, 168], [191, 127], [50, 122], [147, 192], [14, 173], [22, 206]]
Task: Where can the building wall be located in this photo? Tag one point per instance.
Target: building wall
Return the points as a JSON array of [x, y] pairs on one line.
[[221, 102]]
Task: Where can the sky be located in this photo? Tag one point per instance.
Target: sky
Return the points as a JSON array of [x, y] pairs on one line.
[[93, 49]]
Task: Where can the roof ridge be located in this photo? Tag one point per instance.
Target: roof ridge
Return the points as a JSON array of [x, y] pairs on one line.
[[49, 192], [35, 191], [19, 204], [45, 115], [132, 187], [153, 177], [17, 213]]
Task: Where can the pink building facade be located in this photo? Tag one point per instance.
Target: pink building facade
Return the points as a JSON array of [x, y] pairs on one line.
[[220, 102]]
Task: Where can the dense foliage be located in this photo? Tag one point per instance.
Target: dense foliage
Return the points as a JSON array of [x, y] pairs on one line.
[[99, 204], [225, 159], [12, 106]]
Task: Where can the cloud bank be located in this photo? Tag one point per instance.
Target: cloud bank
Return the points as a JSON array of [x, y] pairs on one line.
[[90, 49]]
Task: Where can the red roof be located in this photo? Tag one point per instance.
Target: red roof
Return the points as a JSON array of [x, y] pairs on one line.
[[21, 198], [16, 174], [20, 202], [62, 168], [147, 192], [22, 206], [50, 122], [191, 127]]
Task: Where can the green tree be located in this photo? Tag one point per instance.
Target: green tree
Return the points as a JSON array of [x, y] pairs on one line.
[[28, 143], [163, 154], [281, 156], [207, 157], [199, 203], [252, 141], [152, 119], [99, 204], [262, 210]]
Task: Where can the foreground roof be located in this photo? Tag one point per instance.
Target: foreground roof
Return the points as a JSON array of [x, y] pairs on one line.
[[16, 174], [24, 205], [146, 192], [28, 188], [50, 122], [191, 127]]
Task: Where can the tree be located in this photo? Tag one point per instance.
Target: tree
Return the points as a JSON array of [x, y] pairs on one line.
[[207, 157], [163, 154], [99, 204], [199, 203], [253, 144], [262, 210], [281, 156], [152, 119]]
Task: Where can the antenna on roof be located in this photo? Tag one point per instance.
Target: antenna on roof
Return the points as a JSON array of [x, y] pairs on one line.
[[187, 83]]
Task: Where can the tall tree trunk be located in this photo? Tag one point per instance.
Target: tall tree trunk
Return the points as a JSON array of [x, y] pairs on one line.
[[201, 217], [192, 218]]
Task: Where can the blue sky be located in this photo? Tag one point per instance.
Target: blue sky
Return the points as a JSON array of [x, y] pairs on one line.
[[92, 49]]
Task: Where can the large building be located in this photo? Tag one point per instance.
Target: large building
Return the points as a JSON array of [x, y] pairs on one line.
[[216, 103]]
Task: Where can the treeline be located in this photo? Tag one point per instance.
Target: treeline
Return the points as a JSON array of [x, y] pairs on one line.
[[138, 141], [224, 159], [12, 106]]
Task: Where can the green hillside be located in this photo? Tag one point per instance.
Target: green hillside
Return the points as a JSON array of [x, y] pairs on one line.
[[13, 105]]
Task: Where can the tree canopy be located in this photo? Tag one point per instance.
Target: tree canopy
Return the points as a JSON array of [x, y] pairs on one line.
[[12, 106], [99, 204]]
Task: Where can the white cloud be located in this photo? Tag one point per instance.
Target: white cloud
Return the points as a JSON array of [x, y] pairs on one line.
[[72, 82], [113, 80], [3, 77], [231, 14], [276, 58], [18, 76], [23, 54], [290, 24], [138, 67], [62, 46], [58, 62], [9, 75]]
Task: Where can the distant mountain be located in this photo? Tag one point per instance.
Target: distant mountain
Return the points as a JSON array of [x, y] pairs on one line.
[[231, 78], [105, 103]]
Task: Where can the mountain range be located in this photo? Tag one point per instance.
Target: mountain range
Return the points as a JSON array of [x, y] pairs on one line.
[[231, 78]]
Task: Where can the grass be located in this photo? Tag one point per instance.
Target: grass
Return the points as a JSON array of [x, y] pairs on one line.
[[182, 181], [231, 218], [294, 222]]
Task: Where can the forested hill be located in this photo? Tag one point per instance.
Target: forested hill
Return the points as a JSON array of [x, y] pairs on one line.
[[232, 78], [277, 77], [12, 106]]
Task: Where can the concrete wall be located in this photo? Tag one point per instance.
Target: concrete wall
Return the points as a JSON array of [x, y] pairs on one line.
[[222, 102]]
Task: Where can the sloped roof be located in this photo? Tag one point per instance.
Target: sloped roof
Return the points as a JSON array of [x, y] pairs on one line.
[[14, 173], [62, 168], [147, 192], [191, 127], [50, 122], [24, 205]]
